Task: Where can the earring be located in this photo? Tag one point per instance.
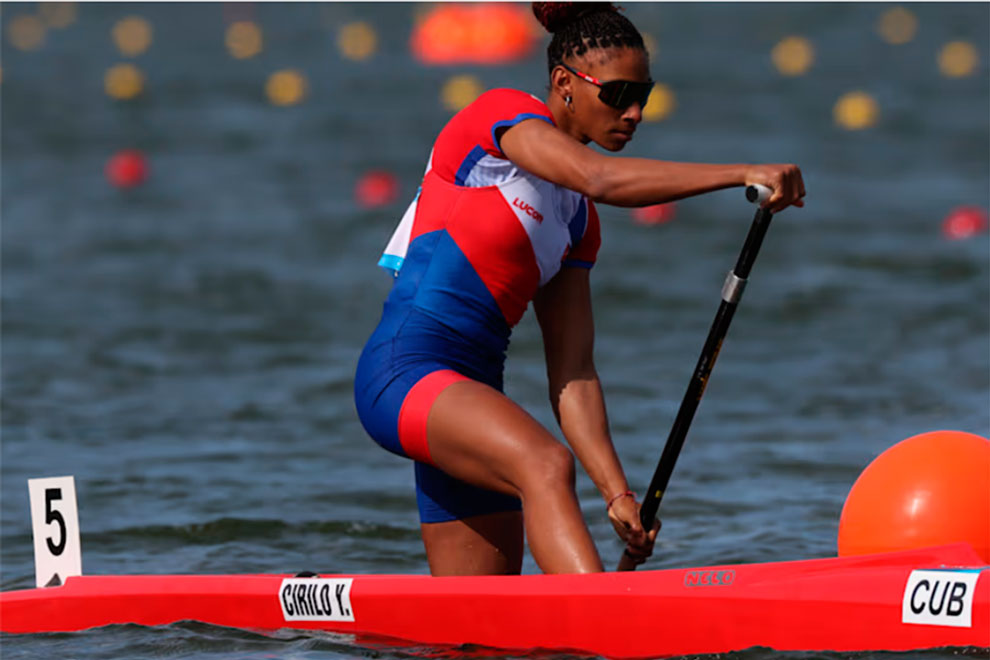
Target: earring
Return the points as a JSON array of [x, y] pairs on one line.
[[567, 102]]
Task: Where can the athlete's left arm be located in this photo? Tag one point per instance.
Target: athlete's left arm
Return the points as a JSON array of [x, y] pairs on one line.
[[563, 309]]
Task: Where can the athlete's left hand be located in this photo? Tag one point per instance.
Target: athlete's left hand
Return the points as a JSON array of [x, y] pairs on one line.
[[624, 516]]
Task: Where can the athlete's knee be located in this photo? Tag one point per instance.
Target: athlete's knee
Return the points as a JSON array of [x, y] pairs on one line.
[[553, 465]]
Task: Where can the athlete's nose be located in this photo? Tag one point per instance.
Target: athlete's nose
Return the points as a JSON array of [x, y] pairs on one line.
[[633, 113]]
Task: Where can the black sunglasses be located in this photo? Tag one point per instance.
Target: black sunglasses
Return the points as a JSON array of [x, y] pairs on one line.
[[619, 94]]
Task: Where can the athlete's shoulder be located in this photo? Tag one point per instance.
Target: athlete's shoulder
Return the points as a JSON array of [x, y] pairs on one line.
[[474, 132], [507, 99], [510, 94]]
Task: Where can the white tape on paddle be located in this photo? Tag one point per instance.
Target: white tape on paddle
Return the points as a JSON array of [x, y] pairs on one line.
[[758, 193], [55, 524], [733, 288]]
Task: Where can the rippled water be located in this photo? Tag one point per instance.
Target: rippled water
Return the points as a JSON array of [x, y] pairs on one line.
[[186, 349]]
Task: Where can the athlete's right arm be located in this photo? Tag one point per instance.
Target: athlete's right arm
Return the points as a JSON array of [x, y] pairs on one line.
[[549, 153]]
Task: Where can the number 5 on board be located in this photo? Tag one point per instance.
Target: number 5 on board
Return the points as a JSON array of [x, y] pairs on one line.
[[55, 524]]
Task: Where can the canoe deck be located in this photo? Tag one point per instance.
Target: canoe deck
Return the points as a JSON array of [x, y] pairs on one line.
[[917, 599]]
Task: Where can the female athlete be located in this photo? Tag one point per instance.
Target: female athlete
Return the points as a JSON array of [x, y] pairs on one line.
[[506, 216]]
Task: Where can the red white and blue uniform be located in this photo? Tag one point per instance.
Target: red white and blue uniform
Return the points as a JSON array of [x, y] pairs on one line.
[[480, 238]]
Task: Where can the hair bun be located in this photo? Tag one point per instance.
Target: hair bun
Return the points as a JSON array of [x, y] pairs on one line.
[[555, 15]]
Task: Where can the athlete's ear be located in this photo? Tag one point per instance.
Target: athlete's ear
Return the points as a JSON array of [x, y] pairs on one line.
[[561, 83]]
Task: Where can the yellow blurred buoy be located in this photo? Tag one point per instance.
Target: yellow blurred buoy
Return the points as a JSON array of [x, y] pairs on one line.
[[26, 32], [286, 87], [57, 15], [661, 103], [357, 41], [132, 35], [897, 26], [123, 81], [460, 91], [243, 40], [958, 59], [856, 110], [793, 56]]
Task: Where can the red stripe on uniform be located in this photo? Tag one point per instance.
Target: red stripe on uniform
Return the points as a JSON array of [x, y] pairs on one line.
[[495, 242], [416, 410], [434, 206]]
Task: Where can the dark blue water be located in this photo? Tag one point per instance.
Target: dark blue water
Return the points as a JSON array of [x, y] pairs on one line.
[[186, 349]]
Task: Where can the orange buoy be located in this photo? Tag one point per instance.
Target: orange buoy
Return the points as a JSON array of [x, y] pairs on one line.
[[657, 214], [474, 34], [127, 168], [930, 489], [964, 222], [376, 189]]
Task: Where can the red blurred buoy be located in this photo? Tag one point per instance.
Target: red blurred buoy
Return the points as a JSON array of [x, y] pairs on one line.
[[654, 215], [481, 33], [127, 168], [376, 189], [964, 222]]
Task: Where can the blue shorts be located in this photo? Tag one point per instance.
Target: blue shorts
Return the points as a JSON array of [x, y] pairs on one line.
[[394, 391]]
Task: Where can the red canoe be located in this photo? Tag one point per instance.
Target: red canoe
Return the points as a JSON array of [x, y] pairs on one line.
[[917, 599]]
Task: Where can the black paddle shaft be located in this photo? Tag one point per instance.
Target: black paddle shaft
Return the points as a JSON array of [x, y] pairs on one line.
[[731, 293]]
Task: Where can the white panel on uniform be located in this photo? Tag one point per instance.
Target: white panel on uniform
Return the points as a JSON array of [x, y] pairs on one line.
[[543, 209], [398, 245]]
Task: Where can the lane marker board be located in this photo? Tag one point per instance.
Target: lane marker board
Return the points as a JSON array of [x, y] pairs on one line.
[[55, 526]]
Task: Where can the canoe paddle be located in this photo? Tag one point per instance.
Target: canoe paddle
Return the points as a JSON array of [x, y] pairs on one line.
[[732, 291]]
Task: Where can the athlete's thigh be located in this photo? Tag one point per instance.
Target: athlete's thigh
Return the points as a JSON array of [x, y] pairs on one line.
[[479, 435]]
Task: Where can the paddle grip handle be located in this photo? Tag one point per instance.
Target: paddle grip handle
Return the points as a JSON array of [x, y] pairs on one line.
[[757, 193]]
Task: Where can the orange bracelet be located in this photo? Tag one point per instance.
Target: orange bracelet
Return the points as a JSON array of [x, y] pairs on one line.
[[628, 493]]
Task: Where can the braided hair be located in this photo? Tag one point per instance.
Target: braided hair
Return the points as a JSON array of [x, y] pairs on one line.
[[578, 27]]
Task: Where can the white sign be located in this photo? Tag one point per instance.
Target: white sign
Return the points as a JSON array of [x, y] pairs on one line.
[[316, 599], [940, 598], [55, 524]]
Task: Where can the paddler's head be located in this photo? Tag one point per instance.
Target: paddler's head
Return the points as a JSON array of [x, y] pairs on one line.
[[599, 71]]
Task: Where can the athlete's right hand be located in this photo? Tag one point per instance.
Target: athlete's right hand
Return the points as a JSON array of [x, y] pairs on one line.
[[624, 516], [784, 180]]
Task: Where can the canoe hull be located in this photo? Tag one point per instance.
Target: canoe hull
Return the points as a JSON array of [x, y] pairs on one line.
[[899, 601]]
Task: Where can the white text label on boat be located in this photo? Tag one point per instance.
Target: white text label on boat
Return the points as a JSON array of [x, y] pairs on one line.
[[316, 599], [939, 598]]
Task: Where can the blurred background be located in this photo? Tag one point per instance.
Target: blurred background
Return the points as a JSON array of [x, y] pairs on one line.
[[194, 197]]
